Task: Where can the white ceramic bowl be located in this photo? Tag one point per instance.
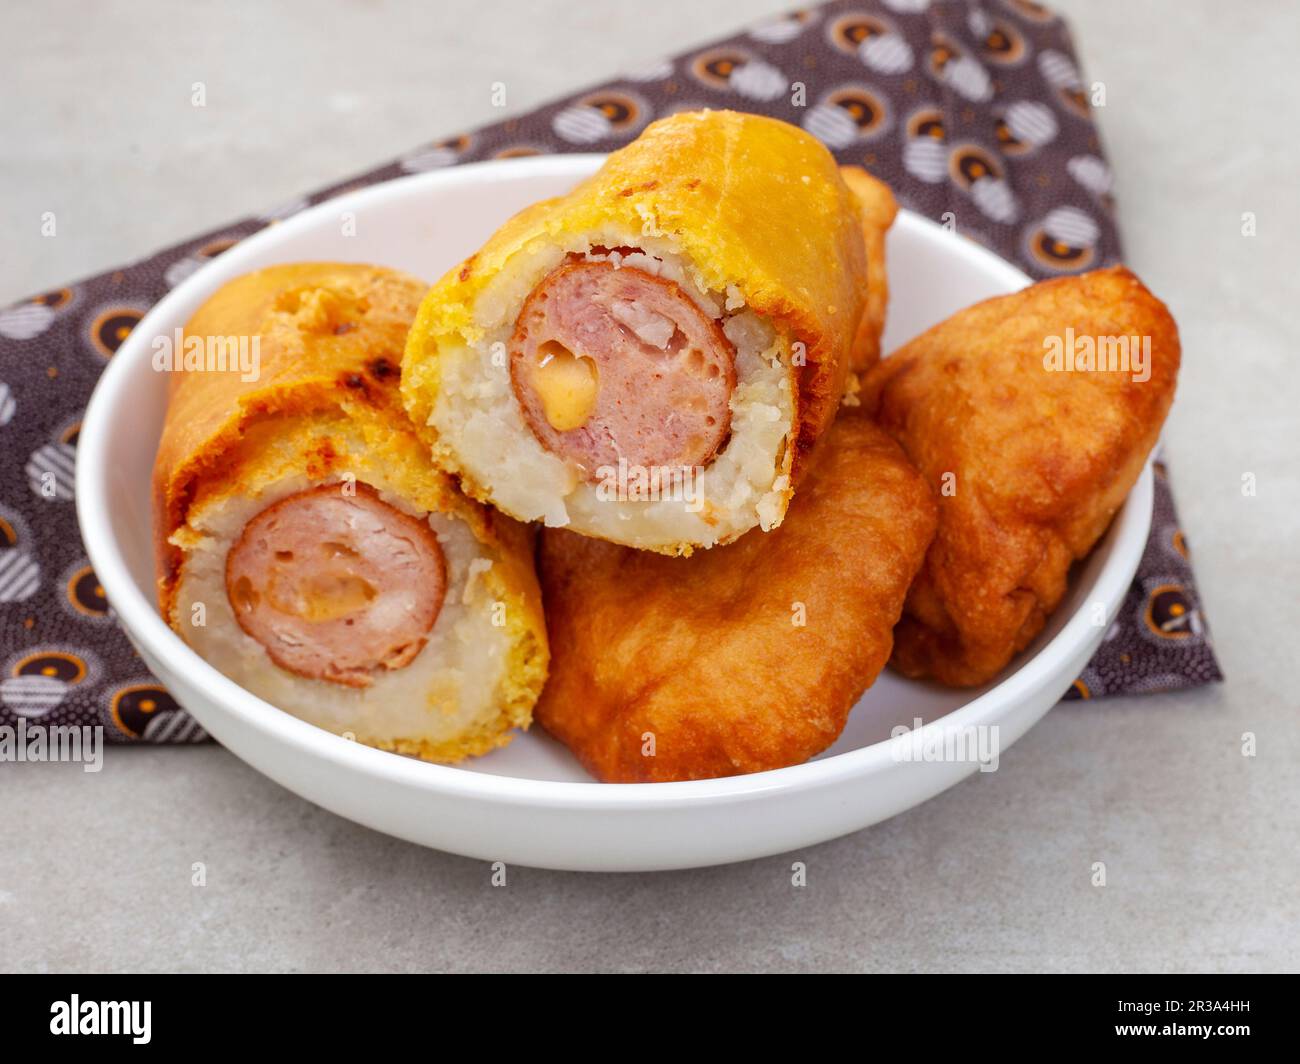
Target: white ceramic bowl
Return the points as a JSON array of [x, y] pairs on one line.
[[531, 803]]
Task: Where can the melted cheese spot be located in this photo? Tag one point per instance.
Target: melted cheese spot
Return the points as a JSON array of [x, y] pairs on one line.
[[316, 597], [566, 384]]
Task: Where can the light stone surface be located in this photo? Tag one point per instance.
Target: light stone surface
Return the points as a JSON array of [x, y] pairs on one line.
[[1200, 843]]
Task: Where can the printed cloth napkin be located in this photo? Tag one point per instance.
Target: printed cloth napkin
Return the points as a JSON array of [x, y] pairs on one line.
[[974, 113]]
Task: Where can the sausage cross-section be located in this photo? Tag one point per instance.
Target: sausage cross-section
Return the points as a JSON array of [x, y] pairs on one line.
[[337, 585], [612, 362]]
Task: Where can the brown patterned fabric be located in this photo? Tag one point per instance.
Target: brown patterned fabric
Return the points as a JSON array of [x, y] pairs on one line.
[[973, 110]]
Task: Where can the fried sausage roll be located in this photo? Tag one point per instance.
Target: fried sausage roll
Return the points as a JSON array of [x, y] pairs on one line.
[[651, 358], [309, 550]]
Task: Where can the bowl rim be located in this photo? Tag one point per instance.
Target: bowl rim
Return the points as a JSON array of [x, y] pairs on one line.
[[138, 616]]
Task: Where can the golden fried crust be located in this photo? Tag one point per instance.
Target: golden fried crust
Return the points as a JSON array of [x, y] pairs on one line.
[[707, 654], [751, 201], [878, 209], [1040, 459], [312, 357]]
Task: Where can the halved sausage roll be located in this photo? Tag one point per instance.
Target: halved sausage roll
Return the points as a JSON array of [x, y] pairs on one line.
[[651, 358], [309, 550]]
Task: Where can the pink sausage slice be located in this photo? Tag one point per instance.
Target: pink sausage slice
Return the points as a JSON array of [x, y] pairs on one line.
[[337, 586], [611, 363]]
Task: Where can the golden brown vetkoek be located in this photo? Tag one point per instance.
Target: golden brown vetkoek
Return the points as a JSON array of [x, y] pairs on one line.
[[651, 358], [1031, 416], [746, 657], [307, 547]]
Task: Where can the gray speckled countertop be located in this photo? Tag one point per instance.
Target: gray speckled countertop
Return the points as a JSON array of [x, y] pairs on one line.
[[1200, 843]]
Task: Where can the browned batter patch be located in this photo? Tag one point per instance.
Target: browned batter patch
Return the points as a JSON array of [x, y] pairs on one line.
[[337, 585]]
